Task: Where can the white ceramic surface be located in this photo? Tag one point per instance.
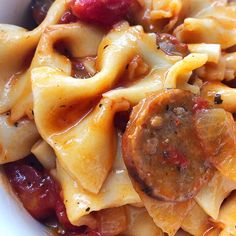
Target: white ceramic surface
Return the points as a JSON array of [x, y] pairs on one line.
[[14, 11], [14, 220]]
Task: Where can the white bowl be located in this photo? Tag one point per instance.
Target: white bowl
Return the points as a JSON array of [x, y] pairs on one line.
[[14, 219]]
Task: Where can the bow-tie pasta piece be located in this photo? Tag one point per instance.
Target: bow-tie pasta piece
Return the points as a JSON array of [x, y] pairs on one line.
[[156, 15], [16, 139], [87, 150], [227, 216], [18, 41], [219, 95], [164, 15], [179, 74], [167, 216], [78, 145], [214, 193], [114, 53], [210, 26], [79, 40], [44, 154], [78, 142], [116, 191], [140, 223], [223, 68], [157, 63], [196, 222]]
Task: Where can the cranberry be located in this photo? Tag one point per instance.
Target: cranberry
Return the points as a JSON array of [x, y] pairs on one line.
[[106, 12]]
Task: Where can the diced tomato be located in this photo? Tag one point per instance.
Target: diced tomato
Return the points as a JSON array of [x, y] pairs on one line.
[[106, 12], [36, 190], [199, 104], [68, 17], [39, 192]]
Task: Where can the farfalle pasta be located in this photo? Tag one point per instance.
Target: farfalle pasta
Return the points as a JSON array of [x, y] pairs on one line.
[[117, 117]]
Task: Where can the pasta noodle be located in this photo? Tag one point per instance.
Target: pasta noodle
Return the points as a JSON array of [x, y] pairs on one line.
[[44, 154], [196, 222], [18, 40], [211, 196], [16, 138], [77, 200], [197, 30]]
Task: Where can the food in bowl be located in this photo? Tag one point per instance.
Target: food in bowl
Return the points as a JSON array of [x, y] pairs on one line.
[[117, 117]]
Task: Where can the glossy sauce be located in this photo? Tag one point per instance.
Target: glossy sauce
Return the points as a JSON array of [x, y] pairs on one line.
[[67, 115]]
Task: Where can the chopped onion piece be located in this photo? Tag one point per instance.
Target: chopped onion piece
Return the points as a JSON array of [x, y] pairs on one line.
[[217, 131]]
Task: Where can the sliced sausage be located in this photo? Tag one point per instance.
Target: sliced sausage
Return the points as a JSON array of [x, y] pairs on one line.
[[161, 149]]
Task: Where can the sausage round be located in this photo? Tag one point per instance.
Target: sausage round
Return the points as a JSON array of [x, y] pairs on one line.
[[161, 149]]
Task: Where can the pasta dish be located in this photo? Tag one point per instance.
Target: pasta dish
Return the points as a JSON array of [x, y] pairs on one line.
[[117, 116]]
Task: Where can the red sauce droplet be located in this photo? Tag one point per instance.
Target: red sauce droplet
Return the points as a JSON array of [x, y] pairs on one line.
[[67, 18], [199, 104], [106, 12], [175, 157]]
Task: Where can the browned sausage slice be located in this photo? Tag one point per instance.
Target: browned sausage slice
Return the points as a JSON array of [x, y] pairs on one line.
[[161, 149]]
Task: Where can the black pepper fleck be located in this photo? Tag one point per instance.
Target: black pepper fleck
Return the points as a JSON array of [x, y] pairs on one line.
[[16, 124], [179, 168], [105, 46], [87, 209], [100, 105], [218, 99]]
